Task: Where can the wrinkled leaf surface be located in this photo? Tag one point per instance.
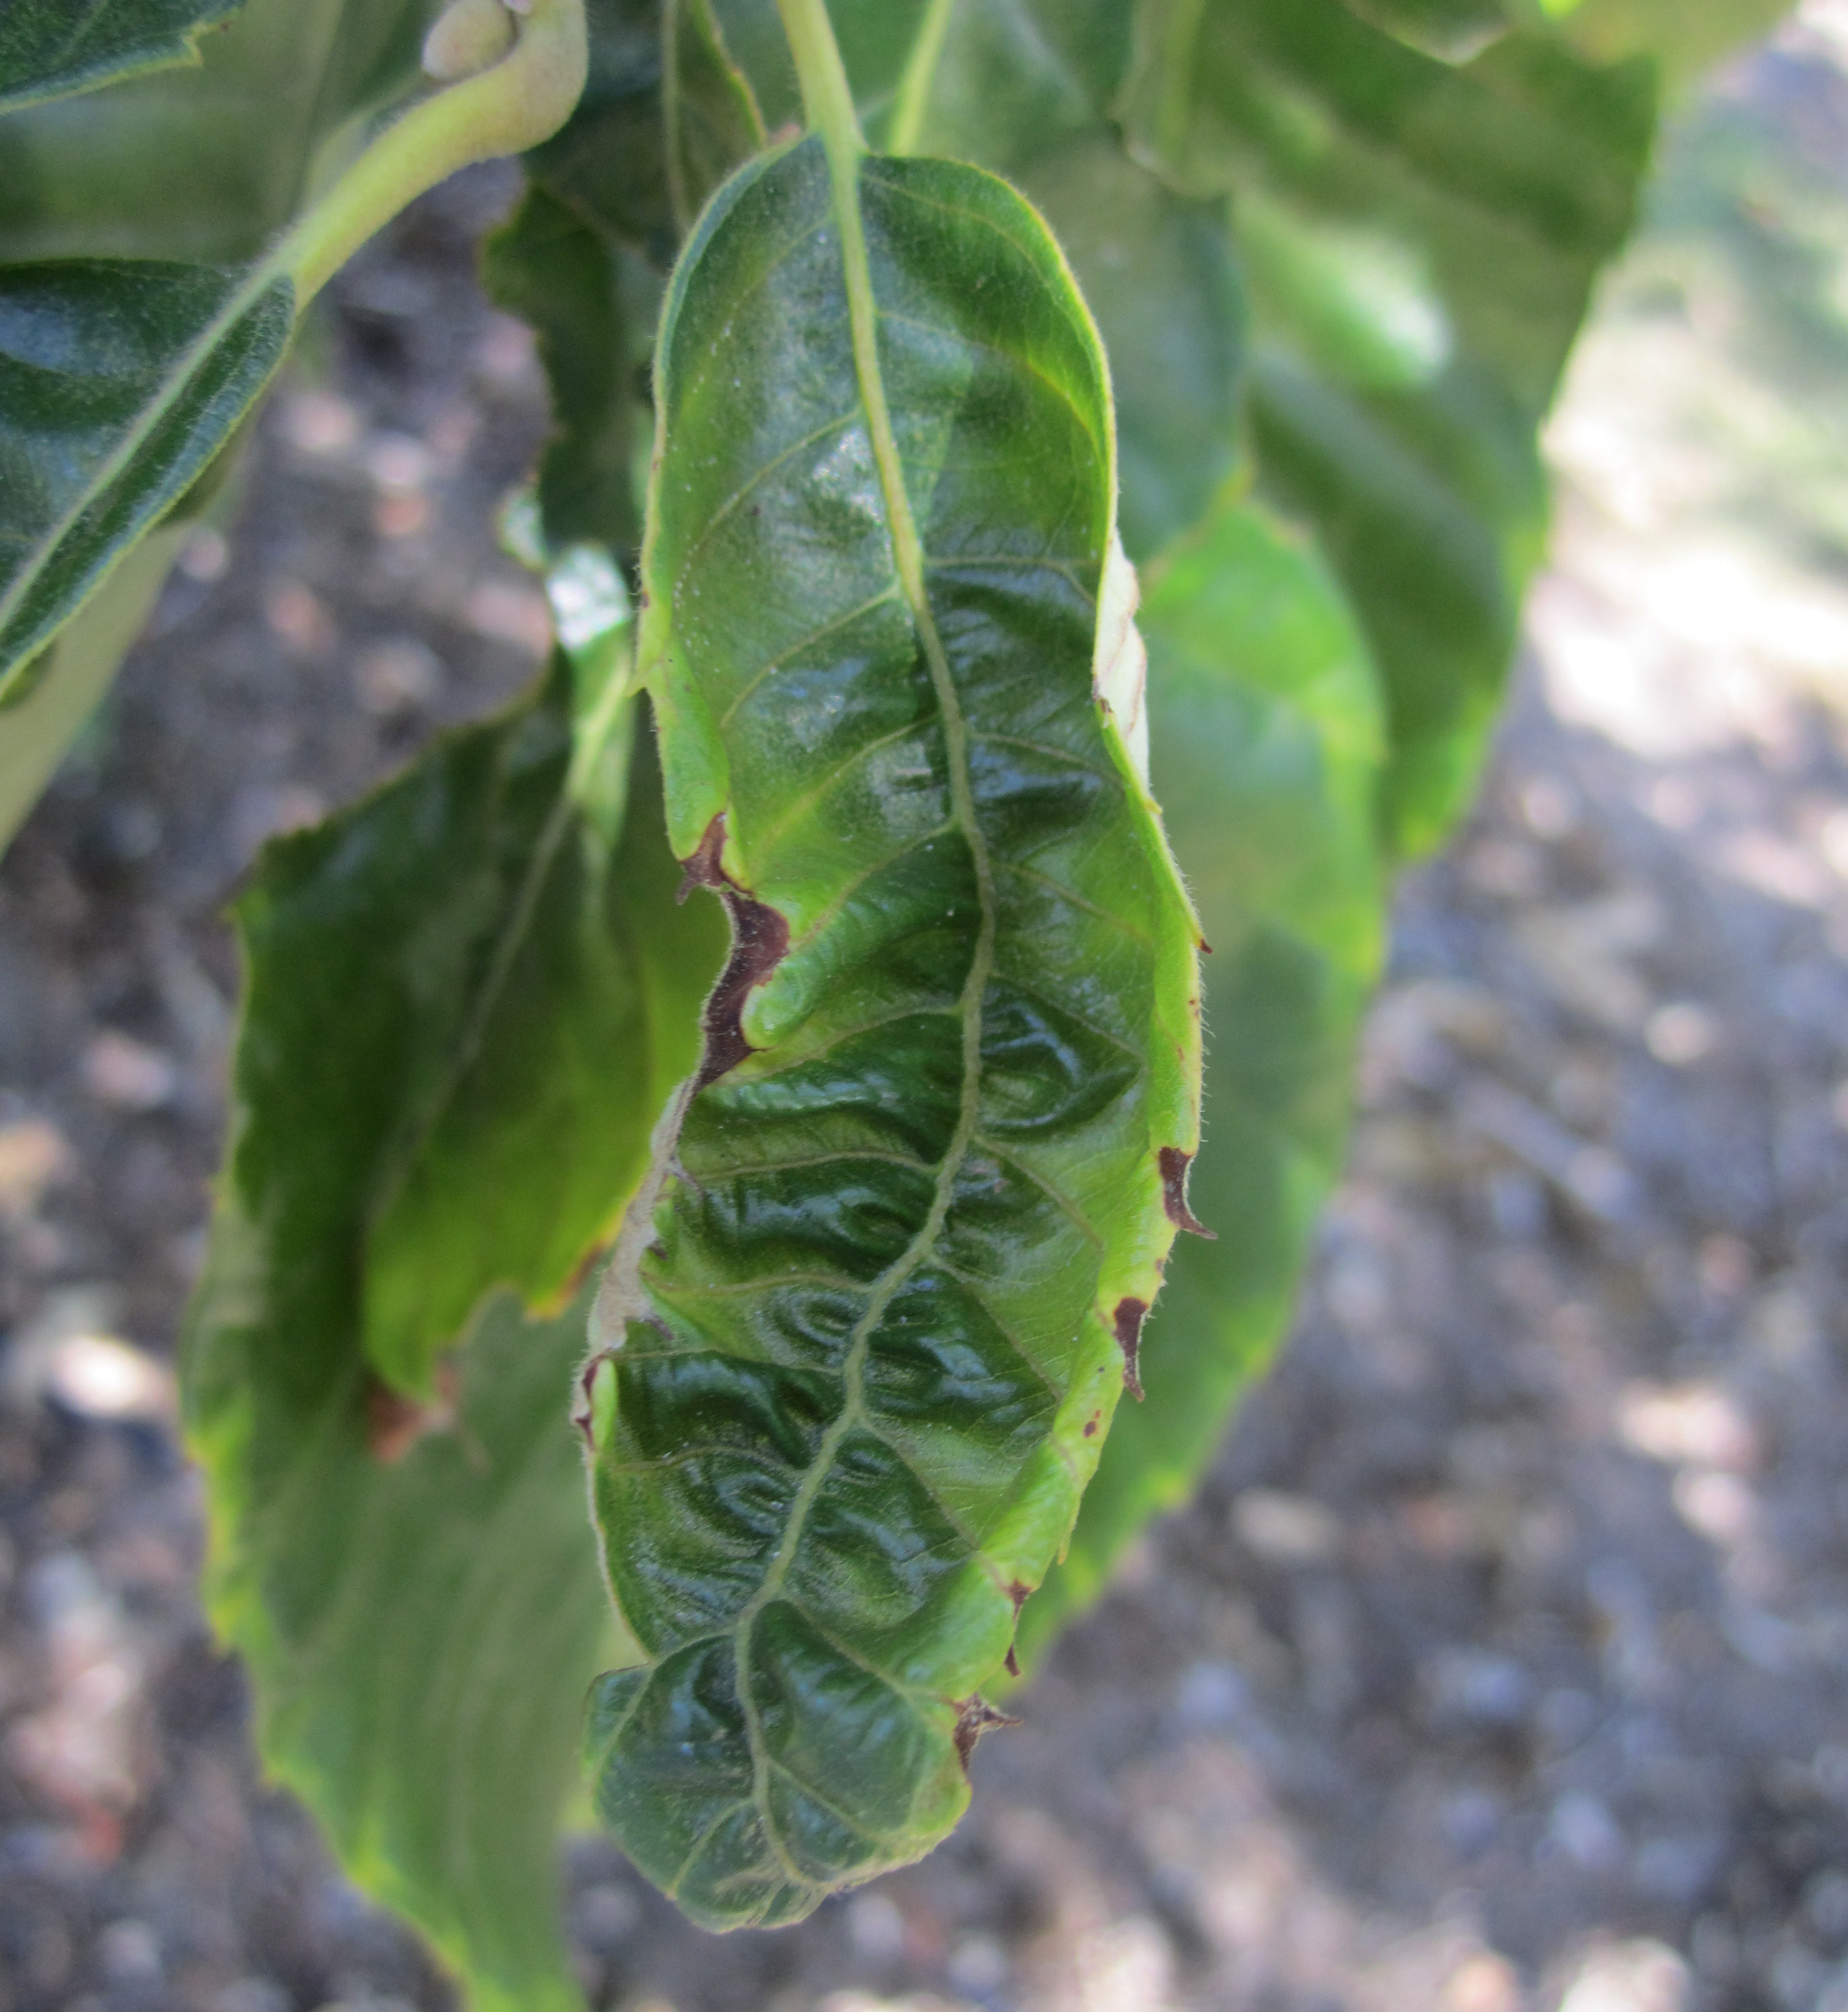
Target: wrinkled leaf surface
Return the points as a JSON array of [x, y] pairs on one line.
[[917, 1206]]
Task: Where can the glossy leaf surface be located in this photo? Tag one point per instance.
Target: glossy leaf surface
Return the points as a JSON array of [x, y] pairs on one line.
[[51, 48], [415, 1584], [1421, 240], [1025, 88], [1267, 744], [118, 383], [916, 1208]]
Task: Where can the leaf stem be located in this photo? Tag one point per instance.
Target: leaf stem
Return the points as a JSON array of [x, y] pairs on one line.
[[826, 97], [523, 99], [920, 75]]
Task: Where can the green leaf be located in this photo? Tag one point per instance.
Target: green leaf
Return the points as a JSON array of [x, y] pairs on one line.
[[1421, 240], [421, 1630], [1157, 271], [1452, 29], [708, 109], [50, 48], [1023, 87], [609, 161], [915, 1206], [547, 266], [1268, 739], [450, 1055], [207, 164], [118, 383], [1002, 81]]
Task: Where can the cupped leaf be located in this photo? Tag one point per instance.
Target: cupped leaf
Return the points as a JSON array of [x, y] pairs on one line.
[[462, 1012], [911, 1210], [1267, 744], [48, 50], [120, 381], [1421, 240]]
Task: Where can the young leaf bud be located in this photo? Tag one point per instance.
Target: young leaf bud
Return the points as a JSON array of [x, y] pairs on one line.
[[470, 36]]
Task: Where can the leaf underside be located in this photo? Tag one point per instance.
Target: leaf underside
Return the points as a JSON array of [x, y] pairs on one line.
[[415, 1585], [53, 48], [917, 1208]]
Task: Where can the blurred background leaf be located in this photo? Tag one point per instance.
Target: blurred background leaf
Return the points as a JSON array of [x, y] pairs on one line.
[[50, 51], [1420, 239]]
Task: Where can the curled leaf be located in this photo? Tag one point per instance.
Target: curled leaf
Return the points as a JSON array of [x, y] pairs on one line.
[[852, 1394]]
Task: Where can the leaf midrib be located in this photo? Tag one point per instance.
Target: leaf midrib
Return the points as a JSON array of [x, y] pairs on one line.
[[845, 156]]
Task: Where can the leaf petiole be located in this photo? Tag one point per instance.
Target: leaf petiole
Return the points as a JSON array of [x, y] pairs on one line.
[[827, 99], [521, 101]]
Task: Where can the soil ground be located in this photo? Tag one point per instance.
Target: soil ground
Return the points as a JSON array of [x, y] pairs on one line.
[[1502, 1664]]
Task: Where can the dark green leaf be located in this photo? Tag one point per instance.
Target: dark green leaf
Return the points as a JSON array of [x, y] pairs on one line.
[[462, 1016], [562, 275], [916, 1207], [709, 111], [609, 161], [118, 383], [1158, 272], [1421, 240], [201, 165], [1267, 744], [52, 48]]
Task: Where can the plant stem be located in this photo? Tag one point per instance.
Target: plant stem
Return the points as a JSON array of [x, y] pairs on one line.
[[523, 99], [920, 75], [826, 96]]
